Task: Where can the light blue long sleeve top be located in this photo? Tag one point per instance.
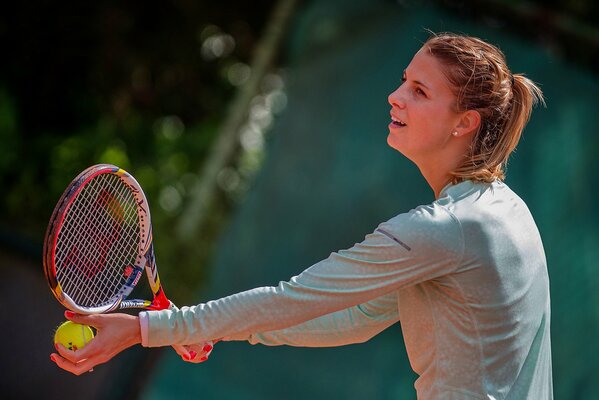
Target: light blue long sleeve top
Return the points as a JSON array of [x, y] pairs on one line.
[[466, 276]]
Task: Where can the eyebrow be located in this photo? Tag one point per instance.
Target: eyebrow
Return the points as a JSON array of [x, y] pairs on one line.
[[417, 82]]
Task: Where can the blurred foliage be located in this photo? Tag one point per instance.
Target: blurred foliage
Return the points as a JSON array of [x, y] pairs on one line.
[[568, 29], [584, 11], [143, 85], [581, 10]]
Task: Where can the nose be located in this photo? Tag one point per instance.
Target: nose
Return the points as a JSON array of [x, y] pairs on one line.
[[396, 98]]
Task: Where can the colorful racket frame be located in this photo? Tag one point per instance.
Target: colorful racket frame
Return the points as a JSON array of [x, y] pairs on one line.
[[144, 260]]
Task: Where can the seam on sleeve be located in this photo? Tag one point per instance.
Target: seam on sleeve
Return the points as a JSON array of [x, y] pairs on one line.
[[390, 236]]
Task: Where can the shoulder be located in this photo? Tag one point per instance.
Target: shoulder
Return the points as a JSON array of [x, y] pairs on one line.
[[425, 217], [430, 228], [484, 205], [466, 206]]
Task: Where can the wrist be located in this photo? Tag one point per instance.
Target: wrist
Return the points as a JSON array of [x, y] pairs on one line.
[[134, 332]]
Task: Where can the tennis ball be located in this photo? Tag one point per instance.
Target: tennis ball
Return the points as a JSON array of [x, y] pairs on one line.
[[73, 336]]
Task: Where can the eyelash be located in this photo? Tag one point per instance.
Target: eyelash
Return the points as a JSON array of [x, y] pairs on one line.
[[418, 90]]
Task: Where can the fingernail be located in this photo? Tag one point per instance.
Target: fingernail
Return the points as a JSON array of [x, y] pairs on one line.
[[185, 357], [192, 354], [56, 346], [52, 358], [207, 348], [69, 314], [203, 358]]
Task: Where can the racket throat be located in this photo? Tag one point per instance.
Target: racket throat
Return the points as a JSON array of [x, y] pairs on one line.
[[160, 301]]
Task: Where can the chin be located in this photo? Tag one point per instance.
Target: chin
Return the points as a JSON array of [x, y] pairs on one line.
[[393, 142]]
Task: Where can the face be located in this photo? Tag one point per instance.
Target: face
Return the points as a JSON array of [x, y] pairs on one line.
[[422, 116]]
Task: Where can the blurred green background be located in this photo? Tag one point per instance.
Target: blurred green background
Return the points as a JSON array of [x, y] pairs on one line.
[[152, 86]]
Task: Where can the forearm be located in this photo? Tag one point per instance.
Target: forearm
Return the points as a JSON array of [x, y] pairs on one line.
[[353, 325], [258, 310], [368, 270]]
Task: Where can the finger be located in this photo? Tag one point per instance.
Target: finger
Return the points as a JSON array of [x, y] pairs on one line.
[[207, 349], [66, 353], [92, 320], [182, 351], [76, 356], [194, 353], [204, 352], [189, 353], [197, 358], [74, 368]]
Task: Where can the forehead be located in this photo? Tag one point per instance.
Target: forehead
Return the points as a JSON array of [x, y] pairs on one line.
[[425, 68]]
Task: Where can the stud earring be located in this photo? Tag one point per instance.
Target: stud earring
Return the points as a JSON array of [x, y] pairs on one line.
[[454, 133]]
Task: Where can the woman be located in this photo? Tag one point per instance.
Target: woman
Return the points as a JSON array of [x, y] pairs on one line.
[[465, 275]]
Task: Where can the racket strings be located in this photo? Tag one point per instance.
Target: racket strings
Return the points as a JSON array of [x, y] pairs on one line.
[[80, 265], [107, 228], [98, 240]]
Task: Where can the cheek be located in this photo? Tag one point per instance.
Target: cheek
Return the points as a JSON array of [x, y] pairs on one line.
[[428, 133], [434, 123]]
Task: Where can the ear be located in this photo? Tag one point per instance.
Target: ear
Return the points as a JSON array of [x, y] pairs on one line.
[[468, 123]]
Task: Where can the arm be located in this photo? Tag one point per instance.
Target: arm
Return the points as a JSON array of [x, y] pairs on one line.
[[421, 245], [353, 325]]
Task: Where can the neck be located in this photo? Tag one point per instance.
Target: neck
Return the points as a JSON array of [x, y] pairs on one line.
[[436, 166], [436, 179], [436, 170]]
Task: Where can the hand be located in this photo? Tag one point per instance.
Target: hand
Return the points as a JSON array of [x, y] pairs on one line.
[[114, 333], [194, 353]]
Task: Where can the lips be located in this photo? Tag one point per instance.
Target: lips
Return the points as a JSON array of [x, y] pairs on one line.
[[397, 122]]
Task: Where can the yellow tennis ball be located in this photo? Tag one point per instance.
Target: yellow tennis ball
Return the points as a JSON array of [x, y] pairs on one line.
[[73, 336]]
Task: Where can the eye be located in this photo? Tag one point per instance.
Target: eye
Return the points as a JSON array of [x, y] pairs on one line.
[[420, 92]]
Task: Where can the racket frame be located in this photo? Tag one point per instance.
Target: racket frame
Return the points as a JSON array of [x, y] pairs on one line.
[[144, 260]]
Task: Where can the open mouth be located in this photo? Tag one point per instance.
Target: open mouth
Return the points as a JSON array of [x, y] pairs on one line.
[[397, 122]]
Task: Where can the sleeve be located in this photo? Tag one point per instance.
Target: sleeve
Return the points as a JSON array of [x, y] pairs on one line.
[[411, 248], [352, 325]]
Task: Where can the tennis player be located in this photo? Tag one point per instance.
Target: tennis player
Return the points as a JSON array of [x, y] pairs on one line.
[[466, 275]]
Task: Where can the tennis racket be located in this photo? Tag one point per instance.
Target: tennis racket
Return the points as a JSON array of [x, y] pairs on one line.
[[99, 242]]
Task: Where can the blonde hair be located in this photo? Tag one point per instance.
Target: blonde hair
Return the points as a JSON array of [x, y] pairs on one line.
[[481, 81]]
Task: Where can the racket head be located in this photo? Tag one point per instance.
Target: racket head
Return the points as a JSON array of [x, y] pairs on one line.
[[97, 240]]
